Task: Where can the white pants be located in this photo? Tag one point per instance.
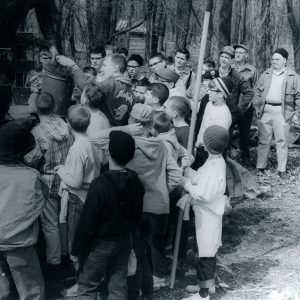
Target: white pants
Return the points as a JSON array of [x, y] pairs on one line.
[[272, 123]]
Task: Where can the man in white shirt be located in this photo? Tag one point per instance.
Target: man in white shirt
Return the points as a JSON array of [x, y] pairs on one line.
[[276, 100]]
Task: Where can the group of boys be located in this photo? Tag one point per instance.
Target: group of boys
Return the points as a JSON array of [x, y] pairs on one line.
[[113, 171]]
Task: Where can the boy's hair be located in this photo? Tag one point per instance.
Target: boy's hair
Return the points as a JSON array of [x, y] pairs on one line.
[[181, 105], [137, 58], [143, 82], [184, 51], [90, 70], [79, 118], [110, 47], [93, 95], [145, 124], [162, 122], [120, 61], [45, 104], [160, 91], [122, 50], [99, 49], [210, 63], [158, 55]]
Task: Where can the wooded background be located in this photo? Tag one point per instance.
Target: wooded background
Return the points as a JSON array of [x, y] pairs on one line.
[[164, 25]]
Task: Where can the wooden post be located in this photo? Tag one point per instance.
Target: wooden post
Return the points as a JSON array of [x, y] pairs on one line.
[[192, 130]]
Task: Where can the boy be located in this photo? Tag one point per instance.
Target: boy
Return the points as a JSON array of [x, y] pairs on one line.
[[82, 166], [216, 113], [206, 188], [159, 174], [164, 131], [53, 140], [111, 213], [178, 108], [156, 95], [23, 195], [140, 90]]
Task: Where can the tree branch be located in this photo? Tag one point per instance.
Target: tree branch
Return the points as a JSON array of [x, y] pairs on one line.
[[293, 24], [195, 15]]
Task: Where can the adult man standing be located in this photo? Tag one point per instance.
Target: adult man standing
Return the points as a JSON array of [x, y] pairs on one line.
[[187, 76], [242, 94], [117, 96], [277, 97], [96, 57], [156, 61], [12, 13], [250, 74]]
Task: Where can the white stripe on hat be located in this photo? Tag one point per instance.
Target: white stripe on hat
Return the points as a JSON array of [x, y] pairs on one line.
[[221, 86]]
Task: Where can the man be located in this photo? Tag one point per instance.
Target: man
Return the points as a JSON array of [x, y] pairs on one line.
[[96, 57], [187, 76], [249, 73], [117, 93], [156, 62], [240, 98], [134, 67], [11, 15], [277, 97]]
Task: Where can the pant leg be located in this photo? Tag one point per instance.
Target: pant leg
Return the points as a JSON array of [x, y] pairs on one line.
[[75, 207], [25, 269], [206, 269], [5, 282], [244, 125], [49, 220], [265, 134], [281, 132], [118, 269]]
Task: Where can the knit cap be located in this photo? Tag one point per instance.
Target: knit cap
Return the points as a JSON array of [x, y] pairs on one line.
[[215, 139], [210, 74], [168, 74], [228, 50], [142, 112], [121, 147], [282, 52], [224, 84]]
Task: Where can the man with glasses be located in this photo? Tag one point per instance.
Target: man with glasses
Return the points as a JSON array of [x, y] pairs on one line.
[[250, 74], [277, 103], [156, 62], [134, 67], [96, 57]]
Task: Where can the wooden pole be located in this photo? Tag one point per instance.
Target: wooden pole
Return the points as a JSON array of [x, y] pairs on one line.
[[192, 130]]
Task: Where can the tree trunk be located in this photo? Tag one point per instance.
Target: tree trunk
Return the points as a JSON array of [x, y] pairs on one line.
[[160, 25], [225, 23], [103, 21], [183, 13], [90, 29]]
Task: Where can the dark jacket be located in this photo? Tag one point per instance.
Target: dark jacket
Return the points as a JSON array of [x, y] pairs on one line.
[[241, 95], [13, 12], [117, 97], [113, 207]]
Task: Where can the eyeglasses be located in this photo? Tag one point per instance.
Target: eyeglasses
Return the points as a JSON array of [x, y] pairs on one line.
[[152, 65], [133, 67]]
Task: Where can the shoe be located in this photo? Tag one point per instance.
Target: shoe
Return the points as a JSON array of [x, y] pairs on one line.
[[195, 297], [70, 292], [283, 175]]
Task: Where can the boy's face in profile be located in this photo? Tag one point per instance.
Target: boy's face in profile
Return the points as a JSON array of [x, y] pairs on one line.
[[149, 98], [139, 93]]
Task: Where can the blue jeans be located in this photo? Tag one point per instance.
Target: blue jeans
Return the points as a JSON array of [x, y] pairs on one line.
[[108, 257], [25, 269], [75, 207]]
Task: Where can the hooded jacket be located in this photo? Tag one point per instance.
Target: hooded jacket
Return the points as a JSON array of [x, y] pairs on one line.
[[113, 207], [23, 195], [175, 149], [118, 97], [54, 140], [158, 172]]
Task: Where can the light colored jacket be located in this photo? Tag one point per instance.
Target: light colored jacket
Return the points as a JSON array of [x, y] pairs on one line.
[[290, 93], [23, 195]]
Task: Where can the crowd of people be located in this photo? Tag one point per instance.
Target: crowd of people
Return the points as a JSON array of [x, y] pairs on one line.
[[103, 181]]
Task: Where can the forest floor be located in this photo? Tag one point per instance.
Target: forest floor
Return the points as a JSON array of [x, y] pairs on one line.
[[261, 244]]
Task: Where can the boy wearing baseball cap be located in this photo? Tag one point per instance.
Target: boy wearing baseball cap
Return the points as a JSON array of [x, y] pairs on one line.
[[206, 188]]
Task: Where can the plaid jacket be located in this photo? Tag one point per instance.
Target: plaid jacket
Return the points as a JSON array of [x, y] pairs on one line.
[[53, 139]]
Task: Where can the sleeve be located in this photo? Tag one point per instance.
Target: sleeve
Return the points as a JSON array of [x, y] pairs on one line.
[[174, 176], [89, 218], [47, 16], [255, 78], [257, 93], [72, 172], [80, 79], [41, 196], [247, 94], [297, 94]]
